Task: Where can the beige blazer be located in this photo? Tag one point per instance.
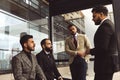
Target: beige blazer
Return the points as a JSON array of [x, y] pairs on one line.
[[83, 44], [23, 69]]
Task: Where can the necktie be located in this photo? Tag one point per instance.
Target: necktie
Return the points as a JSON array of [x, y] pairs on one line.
[[75, 41]]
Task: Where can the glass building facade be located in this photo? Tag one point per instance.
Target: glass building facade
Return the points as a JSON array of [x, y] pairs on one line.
[[19, 17], [32, 17]]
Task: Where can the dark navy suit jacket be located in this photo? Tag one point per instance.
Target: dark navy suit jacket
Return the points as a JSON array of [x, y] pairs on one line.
[[48, 65], [105, 51]]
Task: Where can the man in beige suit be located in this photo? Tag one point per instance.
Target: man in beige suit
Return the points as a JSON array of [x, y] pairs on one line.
[[77, 46], [24, 64]]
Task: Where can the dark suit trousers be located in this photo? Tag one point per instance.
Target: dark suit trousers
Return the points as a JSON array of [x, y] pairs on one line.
[[103, 76], [78, 68]]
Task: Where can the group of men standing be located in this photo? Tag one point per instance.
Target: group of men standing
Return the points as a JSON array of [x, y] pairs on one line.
[[104, 51], [27, 66]]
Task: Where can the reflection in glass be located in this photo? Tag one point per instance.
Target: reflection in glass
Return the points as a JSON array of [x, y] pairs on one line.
[[11, 29]]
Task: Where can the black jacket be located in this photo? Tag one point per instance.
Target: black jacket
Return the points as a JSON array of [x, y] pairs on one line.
[[48, 65], [105, 51]]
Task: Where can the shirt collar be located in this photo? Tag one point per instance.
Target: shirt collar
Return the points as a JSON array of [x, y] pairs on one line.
[[47, 52], [75, 35], [103, 20]]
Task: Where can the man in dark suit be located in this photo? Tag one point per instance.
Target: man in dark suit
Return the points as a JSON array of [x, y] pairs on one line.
[[24, 64], [46, 61], [105, 51]]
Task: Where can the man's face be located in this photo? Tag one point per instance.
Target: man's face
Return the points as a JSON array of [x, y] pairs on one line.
[[73, 30], [30, 45], [48, 46], [96, 18]]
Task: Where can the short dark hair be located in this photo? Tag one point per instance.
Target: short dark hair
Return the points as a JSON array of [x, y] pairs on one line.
[[99, 9], [43, 41], [24, 39], [69, 26]]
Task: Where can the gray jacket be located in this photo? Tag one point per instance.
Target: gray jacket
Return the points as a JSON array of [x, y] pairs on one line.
[[24, 69]]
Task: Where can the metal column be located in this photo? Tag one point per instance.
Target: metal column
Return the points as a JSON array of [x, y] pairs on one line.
[[116, 10]]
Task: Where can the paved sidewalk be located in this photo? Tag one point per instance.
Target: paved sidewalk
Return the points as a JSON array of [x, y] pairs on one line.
[[65, 73], [6, 77]]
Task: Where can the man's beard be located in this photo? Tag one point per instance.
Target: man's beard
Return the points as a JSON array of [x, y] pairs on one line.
[[73, 33], [98, 21], [48, 49], [31, 49]]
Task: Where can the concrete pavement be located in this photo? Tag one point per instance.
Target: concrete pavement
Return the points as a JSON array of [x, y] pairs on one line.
[[65, 72]]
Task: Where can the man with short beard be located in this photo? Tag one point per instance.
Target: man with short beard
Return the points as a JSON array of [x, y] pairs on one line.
[[105, 50], [24, 64], [46, 61], [77, 46]]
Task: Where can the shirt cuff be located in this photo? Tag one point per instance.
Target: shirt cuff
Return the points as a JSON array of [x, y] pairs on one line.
[[75, 52]]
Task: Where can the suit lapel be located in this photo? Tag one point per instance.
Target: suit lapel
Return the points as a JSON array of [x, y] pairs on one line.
[[26, 60], [33, 61], [78, 40]]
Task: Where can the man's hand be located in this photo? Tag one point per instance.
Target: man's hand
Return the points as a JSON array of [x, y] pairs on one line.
[[81, 53], [60, 78]]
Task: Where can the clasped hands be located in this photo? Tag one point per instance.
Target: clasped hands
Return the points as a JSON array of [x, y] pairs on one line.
[[81, 53]]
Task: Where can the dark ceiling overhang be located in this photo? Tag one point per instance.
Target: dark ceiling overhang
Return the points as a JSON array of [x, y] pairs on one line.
[[58, 7]]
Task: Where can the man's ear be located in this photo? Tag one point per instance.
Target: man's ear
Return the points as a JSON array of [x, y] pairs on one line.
[[25, 45], [43, 46], [101, 14]]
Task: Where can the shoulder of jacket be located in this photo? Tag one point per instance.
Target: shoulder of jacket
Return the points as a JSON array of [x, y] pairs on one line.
[[18, 56], [39, 54], [81, 35], [68, 38], [108, 21]]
